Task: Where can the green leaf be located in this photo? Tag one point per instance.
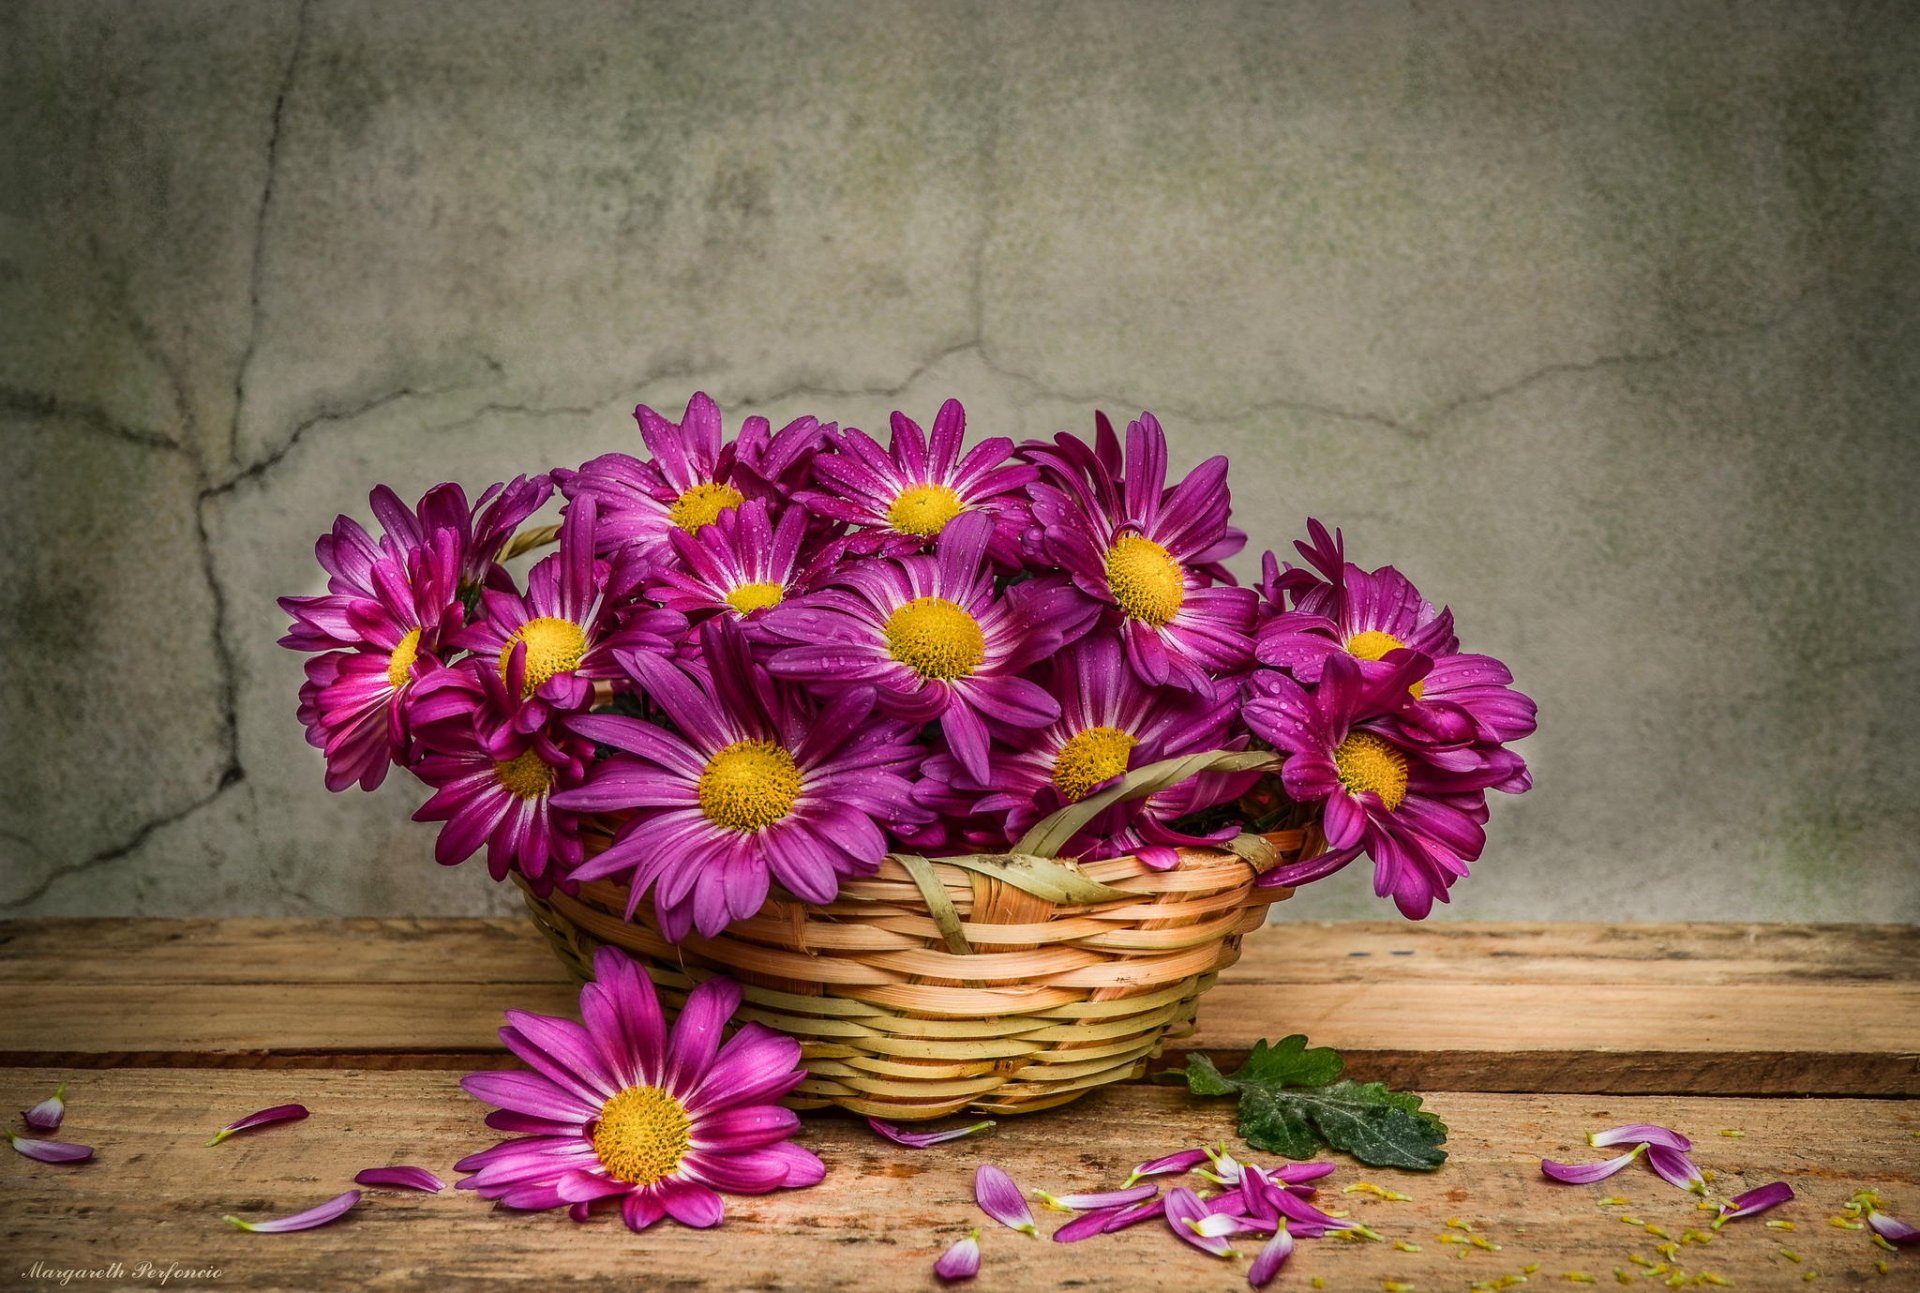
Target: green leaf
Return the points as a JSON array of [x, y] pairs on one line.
[[1293, 1100]]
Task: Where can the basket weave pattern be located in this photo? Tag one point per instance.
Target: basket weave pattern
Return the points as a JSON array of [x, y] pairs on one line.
[[904, 1012]]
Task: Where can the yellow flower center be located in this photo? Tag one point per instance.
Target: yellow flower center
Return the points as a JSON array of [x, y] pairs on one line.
[[1365, 762], [749, 785], [703, 504], [936, 639], [748, 598], [526, 776], [1090, 757], [1372, 645], [924, 510], [400, 663], [642, 1135], [1149, 585], [553, 646]]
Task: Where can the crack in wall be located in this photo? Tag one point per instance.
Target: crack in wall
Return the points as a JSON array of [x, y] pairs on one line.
[[257, 272]]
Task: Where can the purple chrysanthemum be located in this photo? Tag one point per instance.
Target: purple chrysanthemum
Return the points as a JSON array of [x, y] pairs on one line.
[[1149, 552], [561, 635], [743, 564], [754, 783], [1462, 700], [692, 477], [1109, 722], [934, 639], [619, 1106], [1420, 823], [354, 702], [904, 495], [497, 790]]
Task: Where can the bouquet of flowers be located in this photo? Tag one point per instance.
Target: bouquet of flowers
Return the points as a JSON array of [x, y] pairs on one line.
[[759, 668]]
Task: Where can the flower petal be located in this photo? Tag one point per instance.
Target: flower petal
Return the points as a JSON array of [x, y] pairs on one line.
[[332, 1209], [922, 1139], [403, 1178], [1099, 1200], [1184, 1212], [279, 1113], [48, 1151], [1184, 1161], [1676, 1169], [1745, 1205], [1133, 1216], [1588, 1173], [46, 1115], [691, 1203], [962, 1261], [1000, 1199], [1639, 1133], [1086, 1226], [1272, 1256], [1892, 1229]]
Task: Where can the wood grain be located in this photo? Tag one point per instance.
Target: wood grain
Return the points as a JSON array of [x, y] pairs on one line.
[[1700, 1009], [155, 1193]]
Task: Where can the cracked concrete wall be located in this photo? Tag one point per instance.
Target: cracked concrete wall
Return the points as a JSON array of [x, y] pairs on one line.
[[1598, 319]]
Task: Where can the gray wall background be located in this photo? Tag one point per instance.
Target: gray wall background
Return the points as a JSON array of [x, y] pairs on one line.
[[1597, 319]]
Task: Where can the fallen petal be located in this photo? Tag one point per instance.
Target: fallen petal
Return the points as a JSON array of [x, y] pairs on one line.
[[1272, 1256], [1215, 1225], [1639, 1133], [1745, 1205], [1227, 1169], [962, 1261], [405, 1178], [1086, 1226], [1294, 1173], [1184, 1213], [279, 1113], [46, 1115], [49, 1151], [1588, 1173], [1103, 1199], [1892, 1229], [1001, 1199], [332, 1209], [1184, 1161], [1135, 1215], [921, 1139], [1676, 1169]]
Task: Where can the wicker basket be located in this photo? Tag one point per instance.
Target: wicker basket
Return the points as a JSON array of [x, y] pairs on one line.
[[1002, 985]]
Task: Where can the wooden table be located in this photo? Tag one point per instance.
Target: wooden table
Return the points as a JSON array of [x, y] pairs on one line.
[[1800, 1039]]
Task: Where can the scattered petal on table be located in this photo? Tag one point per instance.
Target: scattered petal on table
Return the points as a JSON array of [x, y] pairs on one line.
[[1184, 1213], [1676, 1169], [1892, 1229], [48, 1151], [331, 1210], [922, 1139], [1588, 1173], [1272, 1256], [266, 1117], [46, 1115], [962, 1261], [405, 1178], [1639, 1133], [1184, 1161], [1000, 1199], [1745, 1205], [1086, 1226], [1102, 1199]]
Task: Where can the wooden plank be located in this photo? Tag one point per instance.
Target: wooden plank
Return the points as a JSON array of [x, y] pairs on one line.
[[156, 1194], [1739, 1009]]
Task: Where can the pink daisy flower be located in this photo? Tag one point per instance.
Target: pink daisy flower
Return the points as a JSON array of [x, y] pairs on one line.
[[934, 639], [499, 792], [1148, 552], [1421, 824], [619, 1106], [753, 783], [692, 477], [353, 704], [1464, 699], [348, 553], [742, 565], [1109, 722], [904, 495], [561, 636]]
